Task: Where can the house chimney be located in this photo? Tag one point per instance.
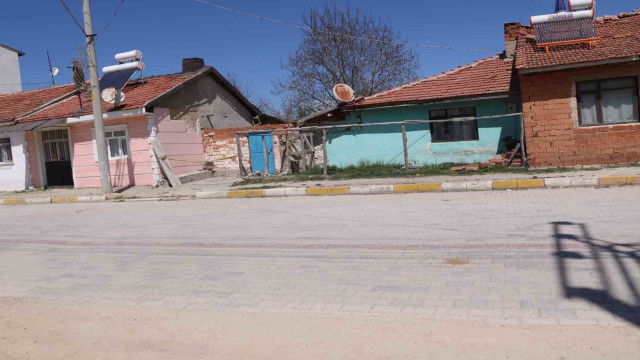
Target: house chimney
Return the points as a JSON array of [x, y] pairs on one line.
[[192, 64], [510, 38]]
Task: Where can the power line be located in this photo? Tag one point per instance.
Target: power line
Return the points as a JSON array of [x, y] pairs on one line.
[[303, 27], [73, 17], [113, 17]]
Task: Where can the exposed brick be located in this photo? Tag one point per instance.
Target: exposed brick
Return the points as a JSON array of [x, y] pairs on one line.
[[553, 139]]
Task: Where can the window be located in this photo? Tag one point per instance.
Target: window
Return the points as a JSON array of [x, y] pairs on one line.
[[117, 142], [453, 130], [5, 150], [610, 101]]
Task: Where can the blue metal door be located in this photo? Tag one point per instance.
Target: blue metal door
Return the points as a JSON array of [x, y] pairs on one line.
[[256, 148]]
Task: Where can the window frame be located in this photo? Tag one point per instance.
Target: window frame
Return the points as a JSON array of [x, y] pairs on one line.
[[10, 151], [448, 117], [598, 93], [113, 128]]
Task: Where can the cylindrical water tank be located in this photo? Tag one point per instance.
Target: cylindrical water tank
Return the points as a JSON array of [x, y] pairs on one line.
[[575, 5], [129, 56], [132, 65], [561, 16]]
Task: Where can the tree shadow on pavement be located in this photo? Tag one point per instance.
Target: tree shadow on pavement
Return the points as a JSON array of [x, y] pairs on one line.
[[575, 247]]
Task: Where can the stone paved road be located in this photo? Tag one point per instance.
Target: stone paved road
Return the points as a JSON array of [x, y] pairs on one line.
[[568, 256]]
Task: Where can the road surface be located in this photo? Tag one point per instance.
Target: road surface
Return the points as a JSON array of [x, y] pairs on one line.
[[524, 274]]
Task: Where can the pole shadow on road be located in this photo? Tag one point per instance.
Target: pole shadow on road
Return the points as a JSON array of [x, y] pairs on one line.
[[575, 248]]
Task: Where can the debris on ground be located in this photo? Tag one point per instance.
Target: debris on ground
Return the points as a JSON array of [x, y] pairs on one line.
[[509, 158]]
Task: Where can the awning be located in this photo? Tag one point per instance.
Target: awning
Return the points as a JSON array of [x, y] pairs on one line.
[[26, 126]]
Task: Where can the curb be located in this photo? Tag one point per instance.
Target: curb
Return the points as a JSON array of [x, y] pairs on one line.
[[486, 185]]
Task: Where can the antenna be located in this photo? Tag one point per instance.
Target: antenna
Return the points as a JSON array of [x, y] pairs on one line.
[[560, 6], [52, 71]]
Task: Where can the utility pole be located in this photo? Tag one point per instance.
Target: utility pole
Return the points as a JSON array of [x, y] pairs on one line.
[[98, 121]]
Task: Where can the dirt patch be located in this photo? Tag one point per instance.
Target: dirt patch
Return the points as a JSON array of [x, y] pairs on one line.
[[38, 330]]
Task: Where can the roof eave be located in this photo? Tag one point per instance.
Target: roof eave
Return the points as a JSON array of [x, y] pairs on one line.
[[20, 53], [432, 101], [632, 58]]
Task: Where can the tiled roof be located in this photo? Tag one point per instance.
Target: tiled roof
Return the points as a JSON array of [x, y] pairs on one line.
[[619, 38], [137, 95], [18, 104], [488, 76]]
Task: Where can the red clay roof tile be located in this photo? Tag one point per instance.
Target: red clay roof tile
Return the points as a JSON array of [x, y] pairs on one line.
[[619, 38], [137, 95], [483, 77], [15, 105]]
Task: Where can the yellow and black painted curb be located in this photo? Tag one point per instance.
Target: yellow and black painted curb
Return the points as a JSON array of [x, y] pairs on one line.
[[484, 185]]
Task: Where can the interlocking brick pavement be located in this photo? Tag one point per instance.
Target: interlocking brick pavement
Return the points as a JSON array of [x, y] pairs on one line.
[[565, 256]]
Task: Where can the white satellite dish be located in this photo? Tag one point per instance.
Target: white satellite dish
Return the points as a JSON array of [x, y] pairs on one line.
[[54, 71], [112, 95]]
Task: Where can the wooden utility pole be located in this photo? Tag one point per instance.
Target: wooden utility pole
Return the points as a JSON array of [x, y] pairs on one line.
[[324, 153], [404, 148], [98, 121]]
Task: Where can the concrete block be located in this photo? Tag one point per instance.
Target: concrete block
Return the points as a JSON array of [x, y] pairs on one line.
[[13, 201], [245, 193], [46, 200], [504, 184], [557, 182], [530, 183], [577, 182], [337, 190], [295, 191], [612, 180], [211, 194], [381, 189], [359, 190], [274, 193], [432, 187], [454, 186], [633, 180], [479, 185], [405, 188], [64, 199], [92, 198]]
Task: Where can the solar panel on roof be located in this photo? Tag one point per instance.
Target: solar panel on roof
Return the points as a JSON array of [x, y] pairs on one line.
[[565, 31], [116, 79]]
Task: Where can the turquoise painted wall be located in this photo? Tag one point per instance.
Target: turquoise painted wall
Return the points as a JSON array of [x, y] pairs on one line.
[[384, 143]]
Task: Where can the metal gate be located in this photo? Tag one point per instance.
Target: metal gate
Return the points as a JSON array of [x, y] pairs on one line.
[[57, 157]]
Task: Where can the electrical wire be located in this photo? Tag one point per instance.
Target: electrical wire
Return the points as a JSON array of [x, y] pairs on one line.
[[303, 27], [113, 17], [73, 17]]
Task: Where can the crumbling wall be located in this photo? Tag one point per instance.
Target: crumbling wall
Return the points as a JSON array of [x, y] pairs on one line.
[[221, 152]]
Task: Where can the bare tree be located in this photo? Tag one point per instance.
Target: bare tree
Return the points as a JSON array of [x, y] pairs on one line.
[[242, 86], [344, 46]]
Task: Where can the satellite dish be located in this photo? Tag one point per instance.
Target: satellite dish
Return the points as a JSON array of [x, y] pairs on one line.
[[112, 95], [54, 71], [343, 92]]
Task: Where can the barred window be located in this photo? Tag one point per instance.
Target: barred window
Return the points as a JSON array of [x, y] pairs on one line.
[[5, 150]]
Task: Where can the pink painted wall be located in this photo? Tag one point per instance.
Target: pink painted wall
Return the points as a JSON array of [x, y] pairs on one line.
[[183, 149], [136, 170], [33, 159]]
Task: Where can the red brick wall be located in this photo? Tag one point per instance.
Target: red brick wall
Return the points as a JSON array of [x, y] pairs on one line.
[[553, 137], [220, 148]]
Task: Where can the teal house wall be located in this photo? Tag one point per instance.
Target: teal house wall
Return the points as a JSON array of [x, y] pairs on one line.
[[384, 143]]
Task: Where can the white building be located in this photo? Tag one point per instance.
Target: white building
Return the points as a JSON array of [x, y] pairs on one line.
[[10, 81]]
